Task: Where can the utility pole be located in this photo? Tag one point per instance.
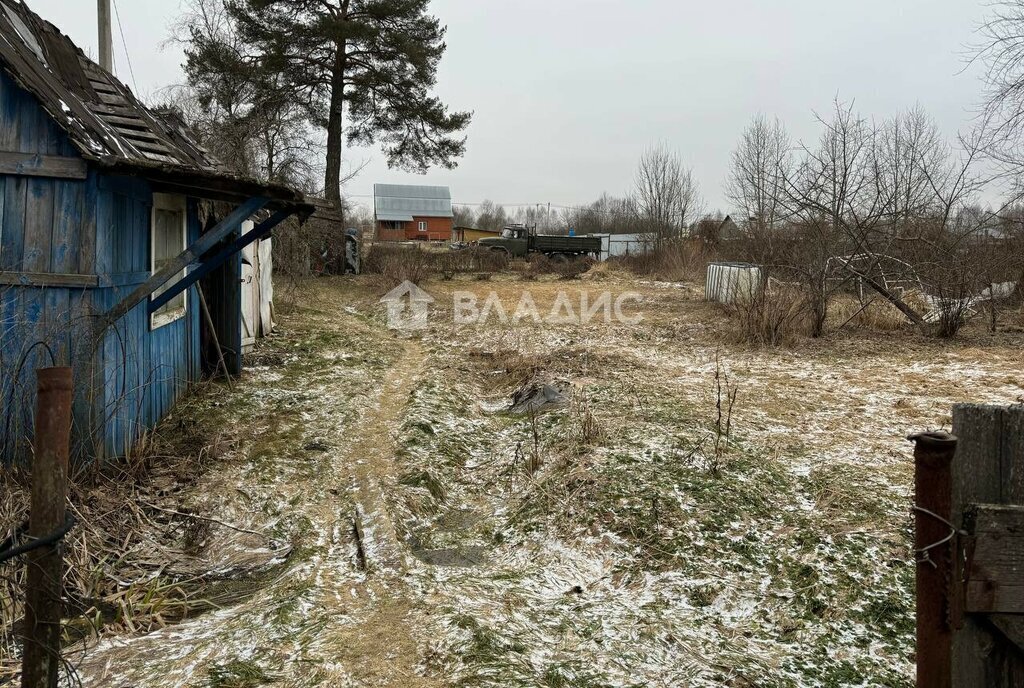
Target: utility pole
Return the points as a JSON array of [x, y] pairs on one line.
[[106, 41]]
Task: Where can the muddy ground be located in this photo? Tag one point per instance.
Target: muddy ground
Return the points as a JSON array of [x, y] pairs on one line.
[[619, 540]]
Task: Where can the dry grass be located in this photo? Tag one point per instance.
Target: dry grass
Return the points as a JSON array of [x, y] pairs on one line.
[[132, 561], [877, 314]]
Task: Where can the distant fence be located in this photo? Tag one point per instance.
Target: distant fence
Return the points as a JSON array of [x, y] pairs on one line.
[[614, 245]]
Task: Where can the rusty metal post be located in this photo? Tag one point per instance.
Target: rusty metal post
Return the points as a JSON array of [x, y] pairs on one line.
[[935, 541], [41, 660]]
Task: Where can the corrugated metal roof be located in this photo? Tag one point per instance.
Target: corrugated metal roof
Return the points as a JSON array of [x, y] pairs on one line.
[[394, 217], [393, 200]]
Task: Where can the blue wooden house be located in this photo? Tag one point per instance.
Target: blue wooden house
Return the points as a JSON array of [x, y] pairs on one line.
[[111, 217]]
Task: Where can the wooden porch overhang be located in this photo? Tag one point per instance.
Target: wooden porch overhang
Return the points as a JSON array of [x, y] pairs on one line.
[[204, 254]]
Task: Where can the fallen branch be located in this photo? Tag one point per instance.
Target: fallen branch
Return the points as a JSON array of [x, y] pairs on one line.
[[207, 519]]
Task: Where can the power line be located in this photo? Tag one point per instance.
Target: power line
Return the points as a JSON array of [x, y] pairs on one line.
[[124, 43]]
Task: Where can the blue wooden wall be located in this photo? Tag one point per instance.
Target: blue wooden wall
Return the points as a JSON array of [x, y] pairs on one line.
[[98, 226]]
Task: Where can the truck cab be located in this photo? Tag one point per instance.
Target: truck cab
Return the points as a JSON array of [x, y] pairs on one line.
[[514, 240]]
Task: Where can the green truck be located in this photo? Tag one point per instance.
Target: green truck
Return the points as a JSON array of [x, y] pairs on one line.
[[519, 241]]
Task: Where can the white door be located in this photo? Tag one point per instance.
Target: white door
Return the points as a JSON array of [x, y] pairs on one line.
[[250, 294], [266, 278]]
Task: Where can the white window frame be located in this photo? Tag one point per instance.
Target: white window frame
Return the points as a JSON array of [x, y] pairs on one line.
[[176, 202], [423, 226]]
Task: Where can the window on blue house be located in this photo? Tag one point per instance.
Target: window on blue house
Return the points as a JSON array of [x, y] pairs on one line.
[[167, 240]]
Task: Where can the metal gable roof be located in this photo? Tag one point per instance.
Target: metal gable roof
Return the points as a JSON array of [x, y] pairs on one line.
[[401, 202]]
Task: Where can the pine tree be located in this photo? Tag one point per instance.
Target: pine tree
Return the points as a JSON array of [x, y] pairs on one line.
[[368, 64]]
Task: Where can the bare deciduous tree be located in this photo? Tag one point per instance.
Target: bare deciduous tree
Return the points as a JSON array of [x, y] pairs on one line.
[[667, 196], [249, 122], [761, 164]]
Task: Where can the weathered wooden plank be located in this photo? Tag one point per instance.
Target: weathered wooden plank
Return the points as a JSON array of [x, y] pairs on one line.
[[12, 250], [979, 658], [38, 225], [82, 360], [1011, 452], [67, 226], [124, 279], [48, 279], [87, 230], [3, 196], [990, 597], [57, 316], [1011, 626], [113, 99], [130, 121], [995, 577], [11, 339], [120, 235], [35, 165], [33, 326]]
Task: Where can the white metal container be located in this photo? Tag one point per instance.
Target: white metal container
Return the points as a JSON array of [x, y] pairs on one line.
[[731, 282]]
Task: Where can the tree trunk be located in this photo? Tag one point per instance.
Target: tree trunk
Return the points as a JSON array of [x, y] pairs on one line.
[[900, 304], [332, 174]]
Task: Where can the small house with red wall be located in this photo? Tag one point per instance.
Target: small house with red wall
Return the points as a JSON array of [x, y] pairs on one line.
[[413, 213]]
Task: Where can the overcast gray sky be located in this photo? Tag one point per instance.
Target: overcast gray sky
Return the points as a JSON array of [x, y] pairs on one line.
[[567, 93]]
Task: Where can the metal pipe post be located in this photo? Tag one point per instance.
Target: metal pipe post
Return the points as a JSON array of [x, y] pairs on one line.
[[935, 541], [41, 659]]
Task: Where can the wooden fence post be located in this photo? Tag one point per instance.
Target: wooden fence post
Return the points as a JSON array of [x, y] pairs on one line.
[[988, 469], [934, 543], [41, 660]]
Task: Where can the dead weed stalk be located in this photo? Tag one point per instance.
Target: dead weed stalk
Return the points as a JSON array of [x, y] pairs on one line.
[[726, 393]]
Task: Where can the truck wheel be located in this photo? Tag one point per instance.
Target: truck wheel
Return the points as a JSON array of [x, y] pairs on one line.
[[499, 249], [559, 258]]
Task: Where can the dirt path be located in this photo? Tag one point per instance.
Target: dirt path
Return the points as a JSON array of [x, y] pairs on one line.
[[381, 649], [321, 618], [372, 464]]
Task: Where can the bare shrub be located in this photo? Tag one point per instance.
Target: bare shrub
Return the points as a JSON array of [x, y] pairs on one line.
[[566, 269], [472, 259], [400, 263], [776, 314], [725, 401], [396, 263]]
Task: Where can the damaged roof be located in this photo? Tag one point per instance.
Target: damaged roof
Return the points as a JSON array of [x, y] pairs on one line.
[[105, 122]]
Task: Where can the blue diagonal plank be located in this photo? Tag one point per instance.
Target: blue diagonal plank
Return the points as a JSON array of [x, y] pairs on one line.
[[209, 265]]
